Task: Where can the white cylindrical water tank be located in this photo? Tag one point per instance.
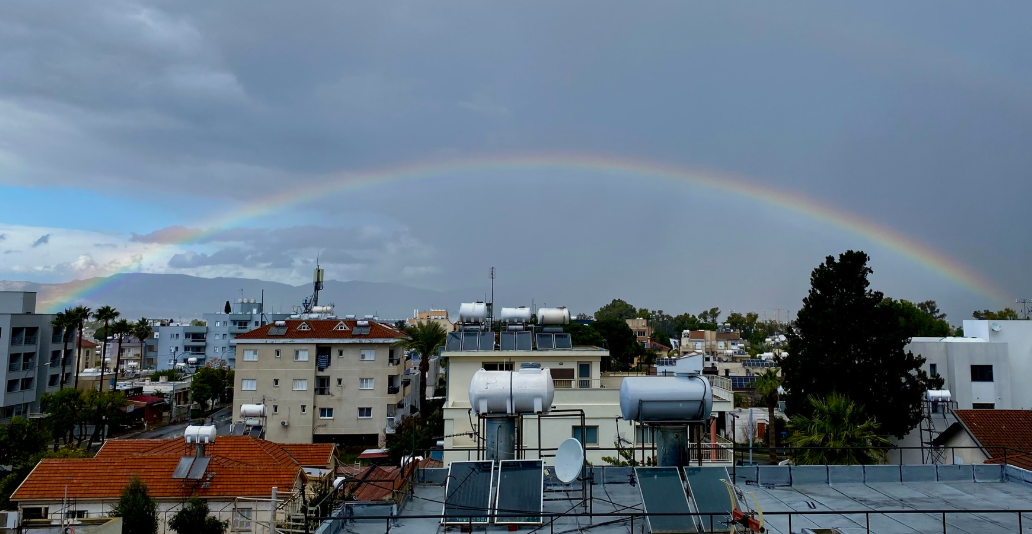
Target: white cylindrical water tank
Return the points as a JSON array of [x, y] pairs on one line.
[[252, 410], [191, 361], [684, 398], [322, 309], [472, 312], [509, 392], [516, 315], [553, 316], [941, 395], [200, 434]]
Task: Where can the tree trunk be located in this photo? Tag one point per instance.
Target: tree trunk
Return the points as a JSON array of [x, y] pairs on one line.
[[78, 356], [64, 358], [100, 416], [424, 367], [118, 361], [771, 433]]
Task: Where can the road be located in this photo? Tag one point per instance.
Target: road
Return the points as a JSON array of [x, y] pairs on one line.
[[223, 420]]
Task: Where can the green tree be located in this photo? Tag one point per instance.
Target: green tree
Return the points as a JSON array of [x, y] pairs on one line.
[[79, 314], [915, 321], [198, 322], [839, 432], [106, 314], [618, 309], [227, 308], [844, 341], [194, 518], [1005, 314], [137, 509], [418, 433], [931, 308], [20, 439], [207, 385], [64, 323], [584, 335], [172, 374], [142, 331], [767, 385], [64, 410], [620, 340], [120, 329], [103, 408], [424, 338], [685, 321]]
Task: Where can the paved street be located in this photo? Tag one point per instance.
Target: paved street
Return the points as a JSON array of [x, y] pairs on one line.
[[223, 419]]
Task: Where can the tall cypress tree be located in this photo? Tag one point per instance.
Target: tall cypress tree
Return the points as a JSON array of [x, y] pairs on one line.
[[843, 341]]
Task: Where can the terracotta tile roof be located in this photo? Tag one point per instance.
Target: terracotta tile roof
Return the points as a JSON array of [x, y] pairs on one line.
[[697, 334], [999, 429], [147, 399], [86, 343], [240, 466], [324, 329], [315, 455], [377, 483]]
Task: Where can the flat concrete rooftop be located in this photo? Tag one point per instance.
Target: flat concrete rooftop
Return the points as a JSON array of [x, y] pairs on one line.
[[885, 499]]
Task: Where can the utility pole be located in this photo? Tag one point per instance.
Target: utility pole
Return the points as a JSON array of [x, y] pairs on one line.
[[1026, 306]]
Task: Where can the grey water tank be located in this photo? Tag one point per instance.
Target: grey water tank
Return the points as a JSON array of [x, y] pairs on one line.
[[682, 398]]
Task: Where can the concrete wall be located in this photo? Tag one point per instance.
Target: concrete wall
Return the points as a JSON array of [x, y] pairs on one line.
[[954, 360], [222, 509], [44, 376], [1017, 335]]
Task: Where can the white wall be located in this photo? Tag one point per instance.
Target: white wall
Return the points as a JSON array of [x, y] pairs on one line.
[[954, 359], [1017, 335]]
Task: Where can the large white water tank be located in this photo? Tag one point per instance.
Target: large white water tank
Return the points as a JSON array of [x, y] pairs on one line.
[[941, 395], [191, 361], [322, 309], [553, 316], [472, 312], [684, 398], [516, 315], [200, 434], [509, 392], [252, 410]]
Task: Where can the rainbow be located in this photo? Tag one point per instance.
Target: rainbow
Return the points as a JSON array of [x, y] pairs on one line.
[[923, 255]]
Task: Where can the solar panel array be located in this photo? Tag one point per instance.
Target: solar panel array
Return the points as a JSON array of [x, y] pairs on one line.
[[710, 495], [515, 341], [520, 490], [663, 493], [468, 493]]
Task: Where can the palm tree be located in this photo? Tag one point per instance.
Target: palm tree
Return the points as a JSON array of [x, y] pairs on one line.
[[120, 329], [64, 322], [767, 386], [142, 330], [836, 433], [79, 314], [106, 314], [424, 339]]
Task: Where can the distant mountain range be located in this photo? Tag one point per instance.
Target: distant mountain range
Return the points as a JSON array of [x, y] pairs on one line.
[[175, 296]]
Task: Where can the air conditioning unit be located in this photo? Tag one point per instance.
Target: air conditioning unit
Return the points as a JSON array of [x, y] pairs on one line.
[[284, 423], [8, 520]]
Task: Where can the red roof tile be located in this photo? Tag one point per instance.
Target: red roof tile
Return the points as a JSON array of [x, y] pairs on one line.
[[996, 430], [324, 329], [148, 399], [240, 466], [378, 483], [86, 343], [315, 455]]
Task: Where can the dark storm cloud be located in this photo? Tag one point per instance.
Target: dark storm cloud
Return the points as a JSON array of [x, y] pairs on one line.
[[43, 240], [873, 108]]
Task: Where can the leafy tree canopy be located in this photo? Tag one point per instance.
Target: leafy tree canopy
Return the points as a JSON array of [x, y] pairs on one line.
[[585, 335], [623, 346], [1005, 314], [917, 321], [845, 341], [417, 433], [194, 518], [137, 509], [198, 322], [618, 309], [208, 384]]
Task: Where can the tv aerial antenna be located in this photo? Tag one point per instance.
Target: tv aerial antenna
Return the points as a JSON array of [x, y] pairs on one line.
[[1026, 306]]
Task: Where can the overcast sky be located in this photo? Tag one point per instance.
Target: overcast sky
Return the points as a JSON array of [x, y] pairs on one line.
[[125, 126]]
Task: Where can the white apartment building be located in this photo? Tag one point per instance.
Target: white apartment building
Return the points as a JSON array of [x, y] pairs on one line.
[[325, 380]]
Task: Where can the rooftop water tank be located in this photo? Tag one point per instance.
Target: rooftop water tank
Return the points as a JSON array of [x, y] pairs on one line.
[[553, 316], [191, 361], [508, 392], [200, 434], [322, 309], [683, 398], [472, 312], [941, 395], [516, 315], [252, 410]]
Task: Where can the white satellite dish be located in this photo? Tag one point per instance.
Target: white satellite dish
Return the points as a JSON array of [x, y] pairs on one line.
[[995, 326], [569, 459]]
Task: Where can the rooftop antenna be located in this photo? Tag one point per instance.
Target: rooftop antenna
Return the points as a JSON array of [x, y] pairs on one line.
[[490, 305], [317, 285], [1026, 306]]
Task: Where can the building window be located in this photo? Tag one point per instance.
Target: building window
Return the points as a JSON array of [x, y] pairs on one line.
[[325, 413], [242, 519], [218, 323], [497, 366], [275, 408], [277, 353], [340, 353], [304, 408], [591, 433], [35, 512], [368, 355], [300, 384], [26, 383], [301, 355], [249, 384], [981, 373], [304, 327], [642, 434], [251, 355], [365, 383], [340, 381], [933, 369], [53, 380], [275, 382], [322, 385], [75, 514], [365, 413], [983, 406]]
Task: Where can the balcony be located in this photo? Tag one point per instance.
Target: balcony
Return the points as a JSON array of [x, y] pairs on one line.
[[393, 390], [392, 424], [322, 390], [394, 361], [606, 382]]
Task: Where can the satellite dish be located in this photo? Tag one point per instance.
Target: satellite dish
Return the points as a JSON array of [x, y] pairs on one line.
[[569, 459], [995, 326]]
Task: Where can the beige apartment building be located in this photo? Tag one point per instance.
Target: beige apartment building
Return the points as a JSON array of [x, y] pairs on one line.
[[642, 330], [325, 380], [438, 316]]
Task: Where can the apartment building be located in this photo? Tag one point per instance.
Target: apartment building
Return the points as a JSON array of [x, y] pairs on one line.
[[323, 379], [33, 352], [438, 316], [642, 330]]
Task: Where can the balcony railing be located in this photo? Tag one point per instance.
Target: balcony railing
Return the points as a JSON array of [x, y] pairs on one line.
[[322, 390], [605, 382], [393, 390], [13, 368], [392, 423]]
